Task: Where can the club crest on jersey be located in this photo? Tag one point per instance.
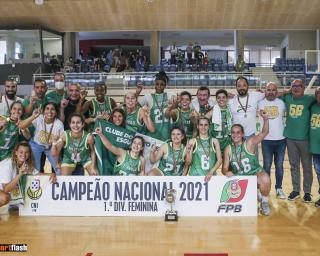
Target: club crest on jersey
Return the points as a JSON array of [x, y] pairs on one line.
[[233, 191]]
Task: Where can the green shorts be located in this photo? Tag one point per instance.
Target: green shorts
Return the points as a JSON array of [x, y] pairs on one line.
[[67, 162]]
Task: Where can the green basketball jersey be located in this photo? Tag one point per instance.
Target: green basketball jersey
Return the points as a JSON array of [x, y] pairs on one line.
[[173, 162], [132, 121], [76, 150], [128, 167], [184, 122], [243, 162], [162, 124], [8, 138], [224, 136], [314, 141], [204, 157], [56, 98], [39, 104], [100, 107]]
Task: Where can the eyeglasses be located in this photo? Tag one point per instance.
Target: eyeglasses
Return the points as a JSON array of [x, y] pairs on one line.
[[297, 85]]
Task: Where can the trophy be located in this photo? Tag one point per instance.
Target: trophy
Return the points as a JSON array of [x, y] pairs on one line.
[[171, 215]]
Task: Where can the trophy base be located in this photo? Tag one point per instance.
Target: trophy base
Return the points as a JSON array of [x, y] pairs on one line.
[[171, 216]]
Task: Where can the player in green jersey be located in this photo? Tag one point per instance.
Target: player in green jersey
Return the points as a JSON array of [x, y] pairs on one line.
[[9, 130], [171, 155], [78, 147], [157, 103], [182, 115], [129, 162], [203, 152], [99, 107], [240, 159], [221, 120], [137, 118]]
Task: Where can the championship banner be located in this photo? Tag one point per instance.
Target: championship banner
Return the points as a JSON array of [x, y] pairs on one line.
[[148, 142], [119, 137], [140, 196]]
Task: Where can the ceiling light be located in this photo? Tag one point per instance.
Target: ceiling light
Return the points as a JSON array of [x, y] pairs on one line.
[[39, 2]]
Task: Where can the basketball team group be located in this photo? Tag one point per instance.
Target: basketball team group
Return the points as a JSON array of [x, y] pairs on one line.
[[200, 136]]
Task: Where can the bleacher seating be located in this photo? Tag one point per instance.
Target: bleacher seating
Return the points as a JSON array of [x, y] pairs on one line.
[[215, 65], [290, 65]]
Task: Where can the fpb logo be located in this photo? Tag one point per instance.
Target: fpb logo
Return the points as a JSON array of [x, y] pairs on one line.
[[233, 191], [34, 191]]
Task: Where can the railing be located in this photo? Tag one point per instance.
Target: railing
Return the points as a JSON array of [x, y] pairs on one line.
[[176, 79]]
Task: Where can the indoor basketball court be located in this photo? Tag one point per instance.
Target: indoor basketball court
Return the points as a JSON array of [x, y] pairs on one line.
[[278, 41]]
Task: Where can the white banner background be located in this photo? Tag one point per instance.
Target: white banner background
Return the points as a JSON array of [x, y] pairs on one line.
[[193, 198]]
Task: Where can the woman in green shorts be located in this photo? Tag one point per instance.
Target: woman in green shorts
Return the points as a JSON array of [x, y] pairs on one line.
[[78, 147]]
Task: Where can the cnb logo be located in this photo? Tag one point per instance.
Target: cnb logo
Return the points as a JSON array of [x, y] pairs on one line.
[[233, 192], [34, 191]]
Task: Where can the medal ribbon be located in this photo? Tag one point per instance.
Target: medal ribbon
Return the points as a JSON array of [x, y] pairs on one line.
[[242, 107]]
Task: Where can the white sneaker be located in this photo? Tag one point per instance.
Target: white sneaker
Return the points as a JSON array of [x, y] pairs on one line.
[[280, 194], [265, 209]]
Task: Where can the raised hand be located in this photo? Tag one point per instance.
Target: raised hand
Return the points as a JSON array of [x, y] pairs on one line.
[[83, 94], [190, 145], [146, 110], [264, 114], [24, 169], [139, 87], [64, 103], [36, 112], [178, 98]]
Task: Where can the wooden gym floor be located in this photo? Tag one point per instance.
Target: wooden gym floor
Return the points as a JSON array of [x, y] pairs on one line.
[[293, 228]]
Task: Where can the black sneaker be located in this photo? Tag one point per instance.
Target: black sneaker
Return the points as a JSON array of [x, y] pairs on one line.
[[307, 198], [317, 203], [293, 195]]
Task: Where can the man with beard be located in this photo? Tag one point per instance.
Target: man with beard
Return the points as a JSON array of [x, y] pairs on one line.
[[202, 104], [244, 106], [60, 92], [37, 98], [6, 100], [298, 107]]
